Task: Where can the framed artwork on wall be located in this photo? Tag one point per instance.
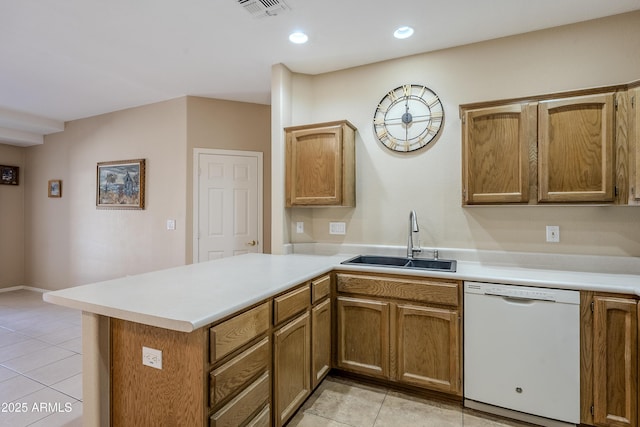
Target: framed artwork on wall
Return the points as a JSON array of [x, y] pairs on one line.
[[120, 184], [9, 175], [55, 188]]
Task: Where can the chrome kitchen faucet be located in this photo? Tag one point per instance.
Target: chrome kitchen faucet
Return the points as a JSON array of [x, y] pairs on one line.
[[413, 228]]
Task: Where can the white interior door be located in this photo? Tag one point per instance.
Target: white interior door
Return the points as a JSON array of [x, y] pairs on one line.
[[227, 203]]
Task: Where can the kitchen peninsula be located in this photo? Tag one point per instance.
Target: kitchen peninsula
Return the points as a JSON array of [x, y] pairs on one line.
[[223, 323]]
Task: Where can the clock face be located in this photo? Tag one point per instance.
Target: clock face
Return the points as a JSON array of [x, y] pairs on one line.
[[408, 118]]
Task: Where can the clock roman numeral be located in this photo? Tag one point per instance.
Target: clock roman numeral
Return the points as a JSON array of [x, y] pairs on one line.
[[381, 109], [435, 101], [382, 134]]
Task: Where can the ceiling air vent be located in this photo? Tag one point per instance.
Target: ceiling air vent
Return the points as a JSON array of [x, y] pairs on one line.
[[264, 8]]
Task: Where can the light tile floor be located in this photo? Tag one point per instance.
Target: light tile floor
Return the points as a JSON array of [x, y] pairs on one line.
[[338, 402], [41, 380], [40, 362]]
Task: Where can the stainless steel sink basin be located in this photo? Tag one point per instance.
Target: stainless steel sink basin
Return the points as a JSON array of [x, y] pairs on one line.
[[399, 262]]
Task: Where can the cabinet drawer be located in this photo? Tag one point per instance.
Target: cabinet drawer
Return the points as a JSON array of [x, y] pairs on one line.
[[235, 374], [248, 402], [288, 305], [320, 288], [423, 290], [237, 331], [263, 419]]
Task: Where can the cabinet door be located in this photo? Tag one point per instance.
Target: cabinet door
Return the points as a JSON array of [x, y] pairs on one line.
[[575, 149], [498, 146], [320, 165], [615, 325], [428, 348], [292, 367], [315, 166], [363, 336], [320, 342]]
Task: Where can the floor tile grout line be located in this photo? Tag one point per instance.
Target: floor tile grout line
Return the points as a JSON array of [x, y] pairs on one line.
[[41, 366], [43, 384], [386, 394]]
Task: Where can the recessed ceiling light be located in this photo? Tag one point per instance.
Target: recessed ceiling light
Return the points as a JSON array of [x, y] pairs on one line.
[[403, 32], [298, 37]]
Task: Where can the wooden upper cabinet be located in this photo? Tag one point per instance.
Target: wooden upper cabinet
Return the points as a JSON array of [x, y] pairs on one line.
[[634, 142], [575, 149], [498, 146], [320, 165]]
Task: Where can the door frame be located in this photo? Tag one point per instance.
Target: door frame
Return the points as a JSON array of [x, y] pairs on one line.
[[196, 192]]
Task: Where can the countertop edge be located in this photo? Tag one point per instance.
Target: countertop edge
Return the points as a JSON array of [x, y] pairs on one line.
[[306, 268]]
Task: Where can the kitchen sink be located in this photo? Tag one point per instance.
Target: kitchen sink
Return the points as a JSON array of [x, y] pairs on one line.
[[399, 262]]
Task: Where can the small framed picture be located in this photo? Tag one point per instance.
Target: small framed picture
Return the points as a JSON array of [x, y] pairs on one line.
[[55, 188], [9, 175]]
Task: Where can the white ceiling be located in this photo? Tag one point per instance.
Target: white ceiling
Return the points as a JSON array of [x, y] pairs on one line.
[[62, 60]]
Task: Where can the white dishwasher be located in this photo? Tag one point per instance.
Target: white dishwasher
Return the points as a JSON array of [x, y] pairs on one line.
[[522, 352]]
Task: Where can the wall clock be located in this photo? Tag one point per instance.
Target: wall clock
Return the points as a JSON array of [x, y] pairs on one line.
[[408, 118]]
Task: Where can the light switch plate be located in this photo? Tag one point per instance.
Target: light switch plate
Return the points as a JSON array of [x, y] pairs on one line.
[[299, 227]]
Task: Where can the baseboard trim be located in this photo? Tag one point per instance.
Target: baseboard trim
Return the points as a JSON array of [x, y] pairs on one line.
[[23, 287]]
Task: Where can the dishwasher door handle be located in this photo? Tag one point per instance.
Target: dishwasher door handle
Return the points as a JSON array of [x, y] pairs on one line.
[[519, 300]]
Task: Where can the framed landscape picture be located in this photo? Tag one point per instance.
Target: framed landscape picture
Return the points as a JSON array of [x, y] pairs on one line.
[[120, 184]]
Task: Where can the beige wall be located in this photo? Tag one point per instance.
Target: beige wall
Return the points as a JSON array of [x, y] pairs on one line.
[[229, 125], [68, 241], [12, 220], [389, 185]]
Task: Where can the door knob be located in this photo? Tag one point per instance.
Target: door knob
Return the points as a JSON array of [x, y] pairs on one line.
[[252, 243]]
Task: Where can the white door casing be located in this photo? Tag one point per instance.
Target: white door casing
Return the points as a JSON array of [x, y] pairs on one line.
[[227, 203]]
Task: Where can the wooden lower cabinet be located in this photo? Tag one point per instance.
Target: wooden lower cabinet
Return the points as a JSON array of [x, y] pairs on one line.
[[238, 411], [615, 361], [428, 348], [227, 379], [292, 367], [406, 342], [320, 342], [363, 336], [301, 345], [609, 360], [145, 396]]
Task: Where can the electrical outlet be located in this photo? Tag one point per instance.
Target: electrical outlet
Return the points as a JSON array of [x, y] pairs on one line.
[[299, 227], [337, 228], [553, 233], [171, 224], [152, 357]]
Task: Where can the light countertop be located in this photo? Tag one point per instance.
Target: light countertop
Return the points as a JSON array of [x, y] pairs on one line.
[[192, 296], [188, 297]]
